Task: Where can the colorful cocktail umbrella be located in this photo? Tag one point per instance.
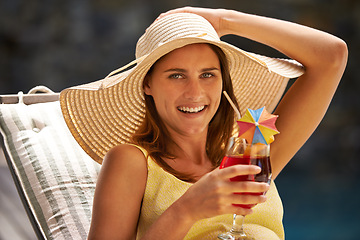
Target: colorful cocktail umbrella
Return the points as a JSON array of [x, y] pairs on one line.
[[258, 126]]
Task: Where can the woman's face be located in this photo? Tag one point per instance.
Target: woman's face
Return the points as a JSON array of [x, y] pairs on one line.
[[186, 86]]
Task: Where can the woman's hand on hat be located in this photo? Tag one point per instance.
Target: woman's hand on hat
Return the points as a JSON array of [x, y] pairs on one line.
[[214, 194], [214, 16]]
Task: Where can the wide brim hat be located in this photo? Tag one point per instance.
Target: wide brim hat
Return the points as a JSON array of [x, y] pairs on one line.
[[105, 113]]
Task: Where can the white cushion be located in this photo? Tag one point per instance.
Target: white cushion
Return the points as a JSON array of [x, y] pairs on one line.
[[56, 175]]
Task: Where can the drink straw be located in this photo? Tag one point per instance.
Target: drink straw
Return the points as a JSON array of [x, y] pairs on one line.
[[237, 112]]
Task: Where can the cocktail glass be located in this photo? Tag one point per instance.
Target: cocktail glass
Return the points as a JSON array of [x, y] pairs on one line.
[[240, 152]]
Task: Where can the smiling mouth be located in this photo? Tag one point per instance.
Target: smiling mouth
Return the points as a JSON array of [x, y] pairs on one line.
[[191, 109]]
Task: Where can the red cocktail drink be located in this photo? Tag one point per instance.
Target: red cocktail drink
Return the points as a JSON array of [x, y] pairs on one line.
[[264, 176]]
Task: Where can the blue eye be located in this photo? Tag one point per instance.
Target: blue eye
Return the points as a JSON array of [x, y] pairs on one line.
[[207, 75], [175, 76]]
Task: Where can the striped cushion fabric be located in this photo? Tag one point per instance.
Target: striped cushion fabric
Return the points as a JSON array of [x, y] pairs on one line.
[[56, 175]]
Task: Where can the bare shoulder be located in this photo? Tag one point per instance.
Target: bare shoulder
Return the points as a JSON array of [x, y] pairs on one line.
[[125, 162], [125, 159]]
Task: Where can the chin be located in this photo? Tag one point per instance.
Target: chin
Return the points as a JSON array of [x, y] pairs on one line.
[[195, 131]]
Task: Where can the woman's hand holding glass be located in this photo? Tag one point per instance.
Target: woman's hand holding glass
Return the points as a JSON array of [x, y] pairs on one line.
[[213, 194]]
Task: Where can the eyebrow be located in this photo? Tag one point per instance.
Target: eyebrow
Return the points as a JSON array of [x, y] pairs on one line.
[[183, 70]]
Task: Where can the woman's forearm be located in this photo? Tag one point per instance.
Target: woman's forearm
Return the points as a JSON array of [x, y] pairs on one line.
[[309, 46], [173, 224]]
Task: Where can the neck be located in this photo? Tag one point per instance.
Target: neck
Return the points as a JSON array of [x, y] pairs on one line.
[[191, 159], [191, 149], [188, 142], [190, 155]]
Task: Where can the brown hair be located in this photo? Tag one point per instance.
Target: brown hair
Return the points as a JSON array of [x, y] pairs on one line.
[[154, 136]]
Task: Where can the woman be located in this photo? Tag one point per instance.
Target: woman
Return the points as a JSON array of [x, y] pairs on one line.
[[166, 184]]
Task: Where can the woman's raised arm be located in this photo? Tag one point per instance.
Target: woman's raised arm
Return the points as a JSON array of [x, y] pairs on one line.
[[323, 55]]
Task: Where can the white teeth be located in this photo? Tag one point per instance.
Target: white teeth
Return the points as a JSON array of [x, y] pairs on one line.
[[191, 110]]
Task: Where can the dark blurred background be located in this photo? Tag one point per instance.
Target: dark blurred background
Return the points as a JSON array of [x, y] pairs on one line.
[[61, 43]]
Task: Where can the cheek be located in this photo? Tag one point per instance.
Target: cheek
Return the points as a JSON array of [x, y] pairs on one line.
[[164, 92], [163, 98]]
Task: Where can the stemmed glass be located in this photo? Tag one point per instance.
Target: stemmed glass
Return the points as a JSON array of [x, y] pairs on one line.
[[240, 152]]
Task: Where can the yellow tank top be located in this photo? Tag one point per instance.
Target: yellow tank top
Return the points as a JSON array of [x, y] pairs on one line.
[[162, 189]]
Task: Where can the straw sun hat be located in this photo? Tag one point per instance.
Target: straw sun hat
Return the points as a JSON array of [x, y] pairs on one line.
[[105, 113]]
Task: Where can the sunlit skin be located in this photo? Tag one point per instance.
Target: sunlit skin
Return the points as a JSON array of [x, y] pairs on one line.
[[186, 86]]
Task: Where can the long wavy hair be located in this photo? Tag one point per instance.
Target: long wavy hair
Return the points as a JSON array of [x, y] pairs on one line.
[[153, 136]]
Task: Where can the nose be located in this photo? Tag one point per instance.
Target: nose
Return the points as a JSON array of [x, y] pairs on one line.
[[194, 90]]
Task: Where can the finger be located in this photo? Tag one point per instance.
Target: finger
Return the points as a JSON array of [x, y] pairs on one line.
[[249, 187], [241, 211], [230, 208], [237, 170], [179, 10], [247, 198], [245, 187]]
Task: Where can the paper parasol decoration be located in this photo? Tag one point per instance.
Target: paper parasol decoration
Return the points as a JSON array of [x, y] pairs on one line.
[[258, 126]]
